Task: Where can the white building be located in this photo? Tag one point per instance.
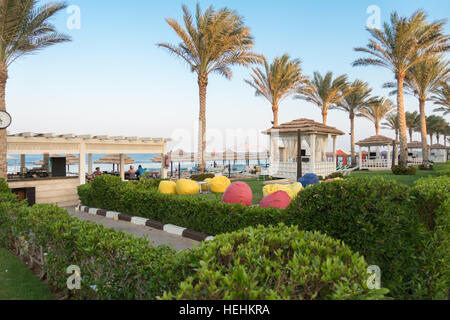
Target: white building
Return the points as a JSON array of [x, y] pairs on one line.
[[315, 139], [439, 153]]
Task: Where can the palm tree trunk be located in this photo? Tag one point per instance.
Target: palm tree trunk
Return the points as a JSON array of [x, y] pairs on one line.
[[275, 114], [396, 136], [324, 114], [3, 143], [431, 139], [352, 138], [410, 134], [377, 128], [202, 85], [402, 121], [423, 132]]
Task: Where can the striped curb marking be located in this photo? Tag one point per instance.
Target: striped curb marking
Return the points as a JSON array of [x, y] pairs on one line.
[[169, 228]]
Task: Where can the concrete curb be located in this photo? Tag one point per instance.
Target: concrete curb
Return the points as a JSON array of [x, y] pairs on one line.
[[169, 228]]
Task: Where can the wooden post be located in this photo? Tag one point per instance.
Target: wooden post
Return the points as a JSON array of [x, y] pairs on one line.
[[82, 164], [90, 163], [171, 169], [299, 154], [179, 170], [22, 164], [229, 169], [122, 167], [334, 150], [394, 153]]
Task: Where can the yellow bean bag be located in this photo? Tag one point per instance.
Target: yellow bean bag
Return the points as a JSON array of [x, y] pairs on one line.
[[185, 186], [205, 187], [291, 189], [167, 187], [219, 184]]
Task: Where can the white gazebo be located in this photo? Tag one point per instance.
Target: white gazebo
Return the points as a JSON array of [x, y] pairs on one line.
[[375, 159], [315, 139], [415, 154], [439, 153]]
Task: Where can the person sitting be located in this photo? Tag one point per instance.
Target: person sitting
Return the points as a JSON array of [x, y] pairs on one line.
[[140, 171], [97, 172], [131, 173]]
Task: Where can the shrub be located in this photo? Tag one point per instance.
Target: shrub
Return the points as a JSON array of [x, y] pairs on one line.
[[113, 265], [428, 167], [145, 183], [429, 193], [4, 186], [400, 170], [275, 263], [438, 254], [371, 216], [335, 175], [202, 176]]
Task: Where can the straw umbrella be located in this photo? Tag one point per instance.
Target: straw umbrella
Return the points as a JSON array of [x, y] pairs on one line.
[[114, 159]]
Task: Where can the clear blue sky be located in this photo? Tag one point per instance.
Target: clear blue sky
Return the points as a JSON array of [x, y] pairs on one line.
[[113, 79]]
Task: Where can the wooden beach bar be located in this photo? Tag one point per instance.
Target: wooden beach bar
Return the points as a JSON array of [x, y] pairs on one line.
[[61, 189]]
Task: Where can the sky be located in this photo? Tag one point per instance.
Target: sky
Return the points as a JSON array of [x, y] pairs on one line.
[[112, 79]]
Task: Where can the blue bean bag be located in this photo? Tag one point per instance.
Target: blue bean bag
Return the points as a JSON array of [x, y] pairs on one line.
[[307, 179]]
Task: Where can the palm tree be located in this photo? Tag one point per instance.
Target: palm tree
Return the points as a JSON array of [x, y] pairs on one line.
[[432, 125], [442, 98], [392, 123], [421, 81], [215, 42], [377, 111], [324, 91], [441, 127], [24, 29], [399, 46], [352, 104], [277, 81], [412, 123]]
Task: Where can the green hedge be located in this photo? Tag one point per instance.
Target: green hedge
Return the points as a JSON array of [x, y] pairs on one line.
[[275, 263], [401, 170], [429, 193], [444, 170], [371, 216], [116, 265], [208, 216]]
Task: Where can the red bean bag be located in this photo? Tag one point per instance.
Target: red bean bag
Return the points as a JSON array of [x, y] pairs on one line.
[[279, 199], [238, 193]]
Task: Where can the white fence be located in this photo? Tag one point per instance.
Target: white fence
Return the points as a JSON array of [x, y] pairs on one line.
[[288, 170], [376, 164], [413, 161]]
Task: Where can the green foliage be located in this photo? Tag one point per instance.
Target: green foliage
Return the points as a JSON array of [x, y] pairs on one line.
[[202, 176], [372, 217], [426, 167], [4, 186], [335, 175], [401, 170], [429, 194], [275, 263], [438, 254], [444, 170], [147, 184], [116, 265]]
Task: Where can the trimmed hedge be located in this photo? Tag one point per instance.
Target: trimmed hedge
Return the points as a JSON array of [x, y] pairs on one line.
[[275, 263], [401, 170], [372, 217], [195, 213], [429, 193], [113, 265], [202, 176], [444, 171]]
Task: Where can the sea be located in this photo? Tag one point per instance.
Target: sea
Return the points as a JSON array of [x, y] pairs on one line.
[[139, 159]]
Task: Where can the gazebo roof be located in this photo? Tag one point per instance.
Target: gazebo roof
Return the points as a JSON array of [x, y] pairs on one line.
[[415, 145], [377, 140], [439, 146], [305, 126]]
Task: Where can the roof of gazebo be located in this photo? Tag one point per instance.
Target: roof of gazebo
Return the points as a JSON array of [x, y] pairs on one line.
[[70, 159], [114, 159], [377, 140], [305, 126], [415, 145], [439, 146]]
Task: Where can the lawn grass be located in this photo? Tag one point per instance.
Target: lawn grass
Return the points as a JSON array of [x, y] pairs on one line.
[[408, 180], [17, 282], [254, 184]]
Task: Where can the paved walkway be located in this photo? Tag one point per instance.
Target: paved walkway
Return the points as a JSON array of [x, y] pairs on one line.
[[154, 236]]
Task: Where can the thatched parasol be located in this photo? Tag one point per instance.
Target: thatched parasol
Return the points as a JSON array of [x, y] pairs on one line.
[[114, 159]]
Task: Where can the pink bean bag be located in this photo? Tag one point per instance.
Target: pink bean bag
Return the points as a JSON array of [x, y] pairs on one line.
[[279, 199], [238, 193]]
